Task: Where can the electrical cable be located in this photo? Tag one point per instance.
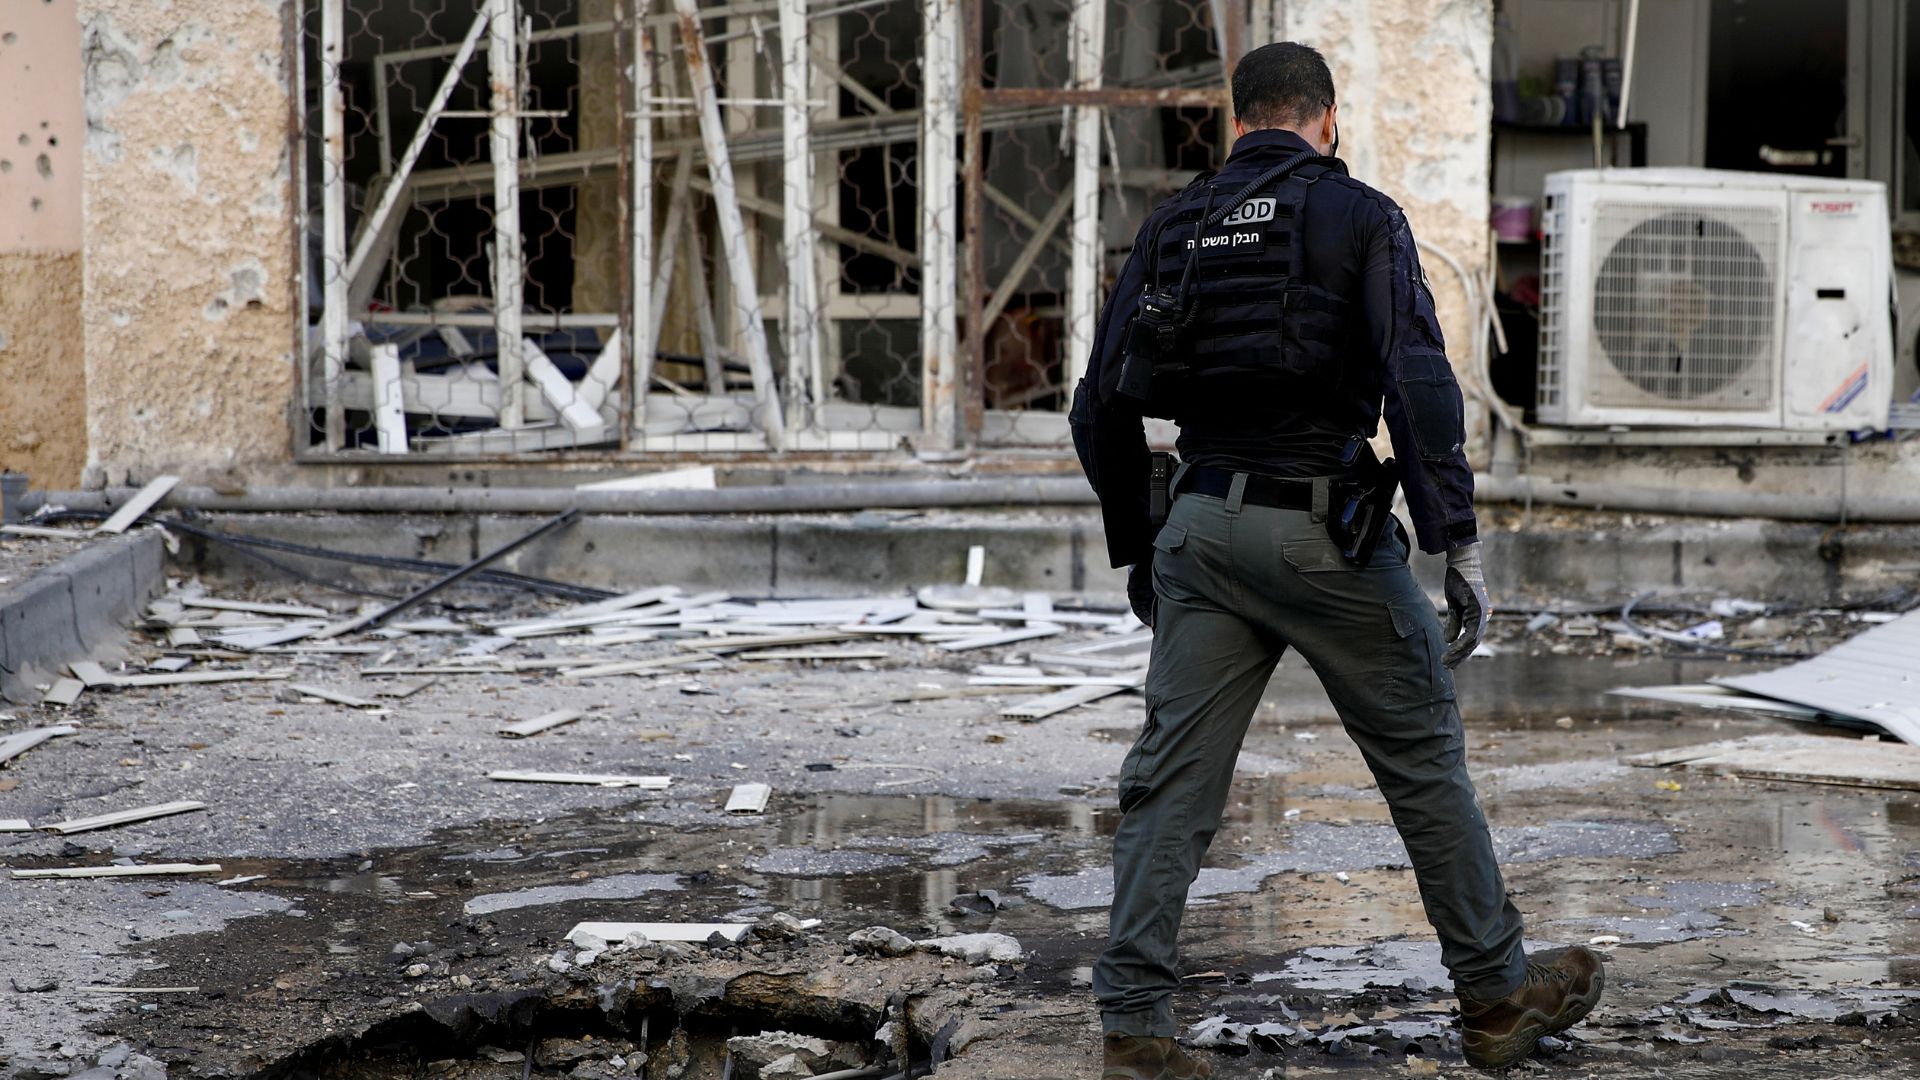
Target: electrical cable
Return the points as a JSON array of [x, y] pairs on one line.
[[495, 578]]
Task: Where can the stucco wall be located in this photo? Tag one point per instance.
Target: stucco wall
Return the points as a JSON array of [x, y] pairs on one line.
[[42, 391], [189, 236], [1415, 121]]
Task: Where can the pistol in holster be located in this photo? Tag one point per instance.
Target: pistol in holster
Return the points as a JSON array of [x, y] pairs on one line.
[[1159, 487], [1360, 503]]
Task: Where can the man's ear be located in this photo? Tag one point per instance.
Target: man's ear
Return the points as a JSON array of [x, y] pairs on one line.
[[1239, 127], [1329, 123]]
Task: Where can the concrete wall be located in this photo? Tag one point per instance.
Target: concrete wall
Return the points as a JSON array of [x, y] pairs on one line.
[[1415, 108], [42, 389], [189, 236]]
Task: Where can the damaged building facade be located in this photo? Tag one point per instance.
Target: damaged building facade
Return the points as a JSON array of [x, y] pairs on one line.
[[334, 240], [388, 234]]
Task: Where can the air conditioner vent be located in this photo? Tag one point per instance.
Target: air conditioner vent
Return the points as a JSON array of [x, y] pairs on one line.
[[1683, 305]]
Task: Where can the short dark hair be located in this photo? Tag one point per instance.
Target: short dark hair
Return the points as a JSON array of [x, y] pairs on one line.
[[1285, 84]]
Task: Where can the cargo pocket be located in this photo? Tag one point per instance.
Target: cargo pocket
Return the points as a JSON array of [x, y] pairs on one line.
[[1171, 538], [1416, 674]]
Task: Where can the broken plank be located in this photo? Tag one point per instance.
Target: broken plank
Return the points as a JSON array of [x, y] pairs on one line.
[[404, 690], [136, 507], [1122, 681], [543, 722], [1089, 648], [123, 817], [334, 696], [736, 643], [90, 673], [442, 669], [749, 798], [1005, 637], [266, 637], [42, 532], [169, 664], [142, 870], [634, 599], [182, 636], [1064, 618], [292, 610], [63, 692], [1127, 662], [136, 989], [1806, 759], [617, 932], [628, 667], [814, 654], [12, 746], [188, 677], [1046, 705], [14, 824], [646, 783]]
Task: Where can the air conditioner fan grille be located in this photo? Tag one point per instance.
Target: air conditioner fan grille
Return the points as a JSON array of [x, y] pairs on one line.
[[1684, 305]]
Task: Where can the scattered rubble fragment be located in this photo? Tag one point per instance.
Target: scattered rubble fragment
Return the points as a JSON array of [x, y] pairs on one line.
[[976, 948]]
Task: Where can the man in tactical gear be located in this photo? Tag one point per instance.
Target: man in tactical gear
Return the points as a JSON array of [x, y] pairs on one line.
[[1272, 310]]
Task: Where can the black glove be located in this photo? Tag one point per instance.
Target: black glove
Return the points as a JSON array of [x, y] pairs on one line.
[[1467, 605], [1140, 591]]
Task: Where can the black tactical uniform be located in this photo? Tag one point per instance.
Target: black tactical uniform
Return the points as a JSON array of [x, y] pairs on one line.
[[1308, 311]]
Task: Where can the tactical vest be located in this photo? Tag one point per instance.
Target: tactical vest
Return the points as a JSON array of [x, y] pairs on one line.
[[1247, 319]]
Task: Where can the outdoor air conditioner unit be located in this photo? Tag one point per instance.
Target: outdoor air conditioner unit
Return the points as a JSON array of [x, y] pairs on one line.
[[1702, 298]]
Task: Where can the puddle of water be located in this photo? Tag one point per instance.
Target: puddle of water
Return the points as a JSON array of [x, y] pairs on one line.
[[811, 862], [1322, 848], [612, 887]]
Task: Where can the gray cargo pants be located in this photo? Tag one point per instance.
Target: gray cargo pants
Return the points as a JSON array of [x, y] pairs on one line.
[[1237, 585]]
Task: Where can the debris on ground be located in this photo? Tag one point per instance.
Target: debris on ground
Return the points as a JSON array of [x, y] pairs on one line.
[[1866, 681]]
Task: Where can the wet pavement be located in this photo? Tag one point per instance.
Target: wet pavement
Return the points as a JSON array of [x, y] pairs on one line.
[[395, 913]]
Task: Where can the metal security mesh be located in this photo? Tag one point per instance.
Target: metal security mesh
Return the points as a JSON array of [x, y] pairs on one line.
[[676, 226], [1684, 305], [1550, 385], [1125, 159]]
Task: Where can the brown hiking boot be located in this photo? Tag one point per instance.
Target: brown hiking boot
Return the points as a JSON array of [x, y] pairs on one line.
[[1136, 1057], [1560, 989]]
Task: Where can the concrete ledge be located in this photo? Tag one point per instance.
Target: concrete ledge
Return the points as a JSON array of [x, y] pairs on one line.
[[74, 608], [1584, 557]]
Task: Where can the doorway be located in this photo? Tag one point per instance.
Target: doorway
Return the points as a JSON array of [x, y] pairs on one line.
[[1778, 88]]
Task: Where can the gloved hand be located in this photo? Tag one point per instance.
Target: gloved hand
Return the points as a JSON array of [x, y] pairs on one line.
[[1140, 591], [1467, 604]]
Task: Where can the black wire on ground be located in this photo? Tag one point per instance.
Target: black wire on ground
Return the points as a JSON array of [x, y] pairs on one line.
[[1626, 619], [495, 578]]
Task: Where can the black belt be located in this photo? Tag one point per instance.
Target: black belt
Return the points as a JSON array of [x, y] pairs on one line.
[[1260, 491]]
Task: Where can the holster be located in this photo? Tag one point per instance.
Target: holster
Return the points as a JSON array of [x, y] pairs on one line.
[[1159, 487], [1360, 504]]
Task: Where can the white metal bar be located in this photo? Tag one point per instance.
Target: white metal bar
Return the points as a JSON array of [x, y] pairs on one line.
[[671, 231], [711, 347], [1626, 66], [557, 388], [503, 146], [1087, 33], [733, 228], [643, 320], [598, 383], [389, 400], [804, 378], [333, 220], [391, 195], [939, 245]]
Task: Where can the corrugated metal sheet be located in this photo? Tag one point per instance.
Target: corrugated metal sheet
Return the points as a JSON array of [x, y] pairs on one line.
[[1873, 677]]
